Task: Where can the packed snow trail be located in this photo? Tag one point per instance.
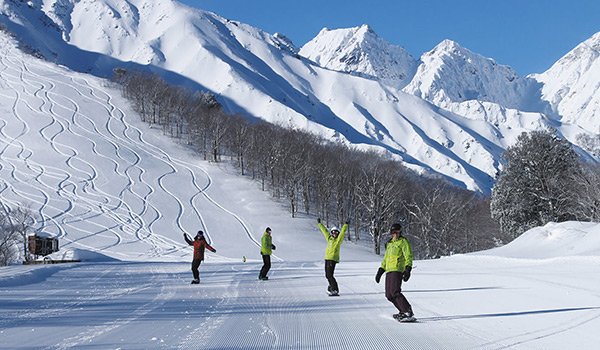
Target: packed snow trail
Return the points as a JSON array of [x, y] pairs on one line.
[[461, 303], [141, 306]]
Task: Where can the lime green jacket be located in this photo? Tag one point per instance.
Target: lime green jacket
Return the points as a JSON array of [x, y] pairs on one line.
[[333, 244], [266, 244], [398, 255]]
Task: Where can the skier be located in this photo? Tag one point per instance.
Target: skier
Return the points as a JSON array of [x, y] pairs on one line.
[[397, 263], [265, 250], [199, 244], [335, 238]]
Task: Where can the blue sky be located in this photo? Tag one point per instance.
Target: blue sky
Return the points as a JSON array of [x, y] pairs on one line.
[[528, 35]]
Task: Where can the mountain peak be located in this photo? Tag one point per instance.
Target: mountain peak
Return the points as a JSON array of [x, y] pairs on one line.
[[571, 85], [360, 51], [453, 49], [451, 73], [365, 28], [449, 45]]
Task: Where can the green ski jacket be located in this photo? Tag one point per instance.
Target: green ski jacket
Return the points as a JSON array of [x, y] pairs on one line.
[[266, 244], [398, 255], [333, 244]]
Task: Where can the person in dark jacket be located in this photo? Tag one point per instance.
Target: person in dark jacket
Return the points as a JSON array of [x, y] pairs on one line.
[[397, 264], [266, 249], [199, 244]]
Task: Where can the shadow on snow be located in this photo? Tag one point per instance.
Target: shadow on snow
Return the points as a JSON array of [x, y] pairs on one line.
[[506, 314]]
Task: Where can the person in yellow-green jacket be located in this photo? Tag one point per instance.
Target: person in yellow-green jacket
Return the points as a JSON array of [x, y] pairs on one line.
[[397, 264], [266, 249], [335, 238]]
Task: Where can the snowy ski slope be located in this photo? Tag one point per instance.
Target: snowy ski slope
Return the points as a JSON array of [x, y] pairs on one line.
[[119, 196]]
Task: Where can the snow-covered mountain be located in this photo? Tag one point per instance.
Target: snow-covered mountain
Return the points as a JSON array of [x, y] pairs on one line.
[[452, 113], [360, 51], [451, 74], [572, 85]]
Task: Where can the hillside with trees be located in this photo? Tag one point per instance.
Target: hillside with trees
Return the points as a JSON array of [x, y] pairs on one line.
[[317, 177]]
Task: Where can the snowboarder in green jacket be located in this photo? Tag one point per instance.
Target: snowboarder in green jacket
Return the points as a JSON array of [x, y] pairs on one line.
[[266, 249], [335, 238], [397, 264]]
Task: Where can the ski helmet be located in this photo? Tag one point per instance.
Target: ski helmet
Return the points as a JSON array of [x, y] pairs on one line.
[[396, 227], [200, 234], [268, 229], [335, 229]]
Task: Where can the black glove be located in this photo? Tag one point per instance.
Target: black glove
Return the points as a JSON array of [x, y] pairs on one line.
[[406, 274], [380, 272], [319, 220], [273, 246]]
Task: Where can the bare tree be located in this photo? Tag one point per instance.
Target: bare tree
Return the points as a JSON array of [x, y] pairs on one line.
[[9, 238], [240, 140], [588, 188], [22, 219], [377, 192]]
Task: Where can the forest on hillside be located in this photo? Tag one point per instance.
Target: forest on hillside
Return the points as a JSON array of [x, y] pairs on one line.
[[332, 181]]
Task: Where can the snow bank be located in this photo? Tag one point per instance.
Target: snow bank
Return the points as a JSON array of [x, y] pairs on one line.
[[79, 254], [553, 240]]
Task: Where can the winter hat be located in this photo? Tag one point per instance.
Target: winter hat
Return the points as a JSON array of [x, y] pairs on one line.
[[334, 228], [396, 227]]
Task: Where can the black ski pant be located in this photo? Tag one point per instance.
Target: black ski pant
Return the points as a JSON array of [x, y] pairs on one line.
[[329, 270], [266, 266], [393, 291], [195, 265]]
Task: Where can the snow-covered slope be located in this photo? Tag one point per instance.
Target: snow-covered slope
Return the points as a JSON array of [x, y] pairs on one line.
[[541, 292], [262, 75], [265, 76], [101, 181], [552, 241], [360, 51], [572, 85]]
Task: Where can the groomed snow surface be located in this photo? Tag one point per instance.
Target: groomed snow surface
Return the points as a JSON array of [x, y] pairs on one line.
[[462, 302], [119, 196]]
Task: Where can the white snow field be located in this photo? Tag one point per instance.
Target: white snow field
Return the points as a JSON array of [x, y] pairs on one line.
[[462, 302], [119, 196]]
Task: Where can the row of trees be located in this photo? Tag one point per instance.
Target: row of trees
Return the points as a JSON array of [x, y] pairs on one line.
[[15, 225], [544, 180], [315, 176]]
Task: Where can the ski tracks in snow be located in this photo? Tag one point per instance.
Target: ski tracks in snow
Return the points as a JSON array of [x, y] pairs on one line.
[[68, 151]]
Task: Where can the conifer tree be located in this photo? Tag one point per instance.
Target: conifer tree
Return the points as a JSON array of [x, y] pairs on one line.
[[537, 183]]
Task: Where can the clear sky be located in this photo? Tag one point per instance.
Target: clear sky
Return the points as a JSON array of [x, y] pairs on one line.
[[528, 35]]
